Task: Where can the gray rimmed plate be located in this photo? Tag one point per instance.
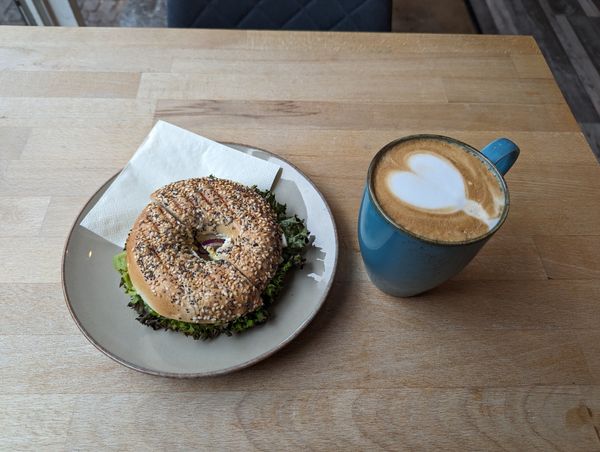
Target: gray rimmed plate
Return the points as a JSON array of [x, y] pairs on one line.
[[99, 307]]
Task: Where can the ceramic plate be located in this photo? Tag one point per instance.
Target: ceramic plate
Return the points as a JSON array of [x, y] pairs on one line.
[[99, 307]]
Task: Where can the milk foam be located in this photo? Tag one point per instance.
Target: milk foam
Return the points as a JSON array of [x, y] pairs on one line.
[[435, 185]]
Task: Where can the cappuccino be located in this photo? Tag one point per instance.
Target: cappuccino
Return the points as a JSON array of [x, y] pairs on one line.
[[438, 190]]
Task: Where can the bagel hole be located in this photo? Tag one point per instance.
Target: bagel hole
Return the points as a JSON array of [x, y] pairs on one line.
[[213, 240], [209, 244]]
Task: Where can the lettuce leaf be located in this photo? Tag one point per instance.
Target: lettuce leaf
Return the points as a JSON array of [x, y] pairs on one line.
[[296, 236]]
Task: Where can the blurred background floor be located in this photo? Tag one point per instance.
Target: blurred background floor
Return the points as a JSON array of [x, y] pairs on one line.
[[124, 13], [104, 13], [432, 16], [568, 32]]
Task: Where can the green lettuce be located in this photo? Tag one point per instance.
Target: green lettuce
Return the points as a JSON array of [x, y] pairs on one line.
[[296, 236]]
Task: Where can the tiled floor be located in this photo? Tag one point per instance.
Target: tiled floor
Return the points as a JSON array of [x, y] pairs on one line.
[[568, 32]]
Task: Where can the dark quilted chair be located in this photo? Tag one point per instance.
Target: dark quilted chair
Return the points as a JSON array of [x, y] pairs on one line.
[[340, 15]]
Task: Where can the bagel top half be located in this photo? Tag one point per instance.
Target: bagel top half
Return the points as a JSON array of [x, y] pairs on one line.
[[211, 206], [173, 276]]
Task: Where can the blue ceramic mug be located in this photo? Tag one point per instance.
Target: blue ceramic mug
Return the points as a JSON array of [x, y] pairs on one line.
[[402, 264]]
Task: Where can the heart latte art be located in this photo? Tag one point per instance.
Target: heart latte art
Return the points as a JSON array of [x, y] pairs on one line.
[[434, 184], [438, 190]]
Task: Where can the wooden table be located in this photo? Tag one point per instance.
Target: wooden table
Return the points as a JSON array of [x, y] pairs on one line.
[[507, 355]]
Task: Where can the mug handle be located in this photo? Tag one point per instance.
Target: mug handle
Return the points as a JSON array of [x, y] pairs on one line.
[[502, 153]]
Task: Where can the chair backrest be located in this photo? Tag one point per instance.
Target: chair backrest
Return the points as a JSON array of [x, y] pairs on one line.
[[340, 15]]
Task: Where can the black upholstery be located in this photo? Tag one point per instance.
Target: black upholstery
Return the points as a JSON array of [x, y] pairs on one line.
[[341, 15]]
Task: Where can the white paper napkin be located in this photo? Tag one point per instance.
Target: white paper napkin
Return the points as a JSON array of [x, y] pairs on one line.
[[168, 154]]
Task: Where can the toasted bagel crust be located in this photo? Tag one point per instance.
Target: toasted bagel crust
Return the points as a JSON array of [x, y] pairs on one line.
[[211, 205], [173, 280], [167, 268]]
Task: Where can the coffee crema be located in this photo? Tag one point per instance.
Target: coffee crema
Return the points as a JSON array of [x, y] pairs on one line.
[[438, 190]]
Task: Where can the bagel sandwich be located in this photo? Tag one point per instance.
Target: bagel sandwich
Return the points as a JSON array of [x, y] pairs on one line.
[[209, 256]]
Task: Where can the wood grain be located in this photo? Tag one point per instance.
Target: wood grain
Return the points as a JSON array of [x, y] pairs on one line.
[[529, 66], [13, 141], [46, 313], [61, 213], [310, 114], [36, 56], [69, 84], [400, 357], [352, 419], [22, 216], [20, 254], [149, 39], [74, 112], [45, 427], [506, 258], [470, 418], [306, 61], [227, 84], [56, 177], [504, 356], [111, 143], [478, 90], [570, 257], [548, 148], [485, 305], [589, 341]]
